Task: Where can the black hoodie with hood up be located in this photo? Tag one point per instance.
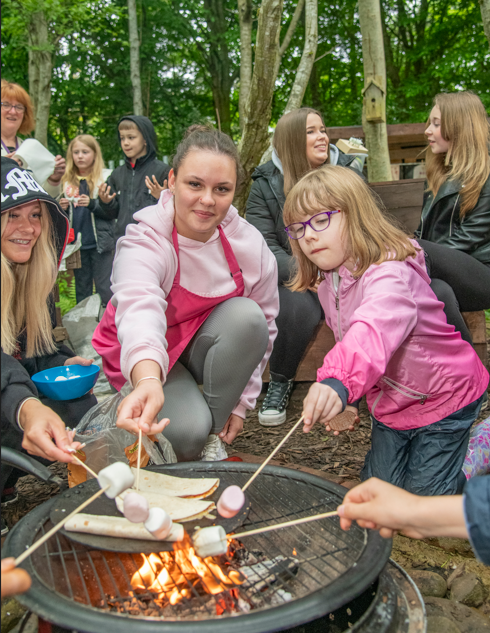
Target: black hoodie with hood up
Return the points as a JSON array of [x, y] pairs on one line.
[[18, 187], [128, 182]]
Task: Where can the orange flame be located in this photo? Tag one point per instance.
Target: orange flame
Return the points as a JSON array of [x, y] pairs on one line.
[[171, 574]]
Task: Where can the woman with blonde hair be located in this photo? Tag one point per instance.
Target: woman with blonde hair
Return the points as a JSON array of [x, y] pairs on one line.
[[454, 229], [423, 384], [18, 118], [84, 173], [301, 144], [34, 233]]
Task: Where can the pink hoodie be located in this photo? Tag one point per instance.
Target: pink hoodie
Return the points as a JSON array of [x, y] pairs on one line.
[[395, 345], [144, 269]]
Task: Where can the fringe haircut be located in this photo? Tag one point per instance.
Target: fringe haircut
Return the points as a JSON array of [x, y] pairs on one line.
[[71, 175], [290, 144], [370, 238], [205, 138], [25, 292], [465, 126], [17, 93]]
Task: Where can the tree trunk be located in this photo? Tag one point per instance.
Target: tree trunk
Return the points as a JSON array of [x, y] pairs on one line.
[[259, 103], [40, 68], [134, 58], [245, 15], [374, 70], [307, 59], [485, 14]]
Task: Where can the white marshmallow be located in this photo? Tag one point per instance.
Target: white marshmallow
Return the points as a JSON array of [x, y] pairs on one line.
[[159, 523], [210, 541], [136, 507], [231, 502], [118, 476], [176, 533]]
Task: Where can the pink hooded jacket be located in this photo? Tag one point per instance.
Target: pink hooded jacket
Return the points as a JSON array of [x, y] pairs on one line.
[[144, 269], [395, 345]]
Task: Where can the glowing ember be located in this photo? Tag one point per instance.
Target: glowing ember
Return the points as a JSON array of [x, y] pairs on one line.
[[173, 575]]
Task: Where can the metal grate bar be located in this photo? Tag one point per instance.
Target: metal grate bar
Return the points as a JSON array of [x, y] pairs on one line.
[[80, 573]]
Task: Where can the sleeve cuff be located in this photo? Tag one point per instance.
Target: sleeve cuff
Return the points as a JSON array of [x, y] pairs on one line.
[[240, 410], [339, 388]]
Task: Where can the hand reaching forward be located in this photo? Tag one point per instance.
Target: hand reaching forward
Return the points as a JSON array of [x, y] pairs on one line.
[[154, 186], [321, 404], [105, 193], [140, 408]]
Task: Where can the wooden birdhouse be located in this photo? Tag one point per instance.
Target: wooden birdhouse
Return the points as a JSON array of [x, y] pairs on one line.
[[374, 101]]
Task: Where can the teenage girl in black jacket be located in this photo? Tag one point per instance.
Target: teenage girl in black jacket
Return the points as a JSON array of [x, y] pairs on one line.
[[454, 229]]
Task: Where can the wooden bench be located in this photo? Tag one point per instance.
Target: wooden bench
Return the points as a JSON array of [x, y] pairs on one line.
[[402, 200]]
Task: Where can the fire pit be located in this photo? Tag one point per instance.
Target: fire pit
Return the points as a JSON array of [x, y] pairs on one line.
[[268, 582]]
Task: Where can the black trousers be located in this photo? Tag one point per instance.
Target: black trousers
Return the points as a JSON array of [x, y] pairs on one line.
[[299, 314], [96, 267], [460, 281], [70, 411]]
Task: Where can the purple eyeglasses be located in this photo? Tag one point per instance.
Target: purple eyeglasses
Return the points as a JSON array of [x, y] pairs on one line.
[[318, 223]]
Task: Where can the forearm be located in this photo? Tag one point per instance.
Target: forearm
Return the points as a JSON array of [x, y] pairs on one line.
[[437, 516], [144, 369]]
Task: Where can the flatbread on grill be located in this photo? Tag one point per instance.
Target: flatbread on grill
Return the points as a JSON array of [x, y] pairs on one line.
[[180, 510], [112, 526], [176, 486]]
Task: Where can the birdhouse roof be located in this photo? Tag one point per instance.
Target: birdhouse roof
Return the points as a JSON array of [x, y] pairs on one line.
[[373, 82]]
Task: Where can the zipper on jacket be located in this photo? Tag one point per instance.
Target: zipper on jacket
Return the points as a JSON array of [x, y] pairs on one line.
[[406, 391], [452, 216], [337, 307]]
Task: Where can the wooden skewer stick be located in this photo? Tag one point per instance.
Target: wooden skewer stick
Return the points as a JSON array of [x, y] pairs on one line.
[[58, 526], [264, 464], [278, 526], [87, 468], [140, 438]]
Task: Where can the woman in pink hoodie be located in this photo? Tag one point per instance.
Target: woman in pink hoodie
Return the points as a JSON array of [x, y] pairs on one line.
[[195, 301], [422, 382]]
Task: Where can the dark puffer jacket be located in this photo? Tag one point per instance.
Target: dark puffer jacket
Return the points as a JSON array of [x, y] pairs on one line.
[[129, 183], [265, 204], [440, 221]]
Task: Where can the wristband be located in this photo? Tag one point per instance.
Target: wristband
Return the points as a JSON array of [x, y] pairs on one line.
[[19, 408], [147, 378]]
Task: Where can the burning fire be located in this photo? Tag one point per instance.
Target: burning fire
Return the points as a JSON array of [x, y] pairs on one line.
[[172, 574]]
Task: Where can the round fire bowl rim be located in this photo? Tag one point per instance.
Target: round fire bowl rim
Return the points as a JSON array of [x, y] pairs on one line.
[[69, 614]]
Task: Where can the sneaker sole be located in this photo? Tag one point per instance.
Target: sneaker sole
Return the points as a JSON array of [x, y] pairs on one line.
[[9, 502], [272, 420]]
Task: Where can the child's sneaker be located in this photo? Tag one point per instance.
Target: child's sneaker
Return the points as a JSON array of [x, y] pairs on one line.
[[214, 450], [273, 409]]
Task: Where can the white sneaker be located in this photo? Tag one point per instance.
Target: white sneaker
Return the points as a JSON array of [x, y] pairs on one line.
[[214, 450]]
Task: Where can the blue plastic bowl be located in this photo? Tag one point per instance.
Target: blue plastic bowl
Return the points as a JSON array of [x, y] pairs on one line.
[[67, 382]]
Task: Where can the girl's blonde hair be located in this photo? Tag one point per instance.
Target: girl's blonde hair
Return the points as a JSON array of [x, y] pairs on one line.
[[15, 92], [290, 144], [369, 237], [25, 292], [464, 125], [94, 178]]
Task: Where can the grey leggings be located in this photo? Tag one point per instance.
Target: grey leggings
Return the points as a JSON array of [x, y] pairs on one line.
[[221, 357]]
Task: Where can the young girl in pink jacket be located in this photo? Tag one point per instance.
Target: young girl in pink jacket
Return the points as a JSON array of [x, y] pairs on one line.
[[422, 382]]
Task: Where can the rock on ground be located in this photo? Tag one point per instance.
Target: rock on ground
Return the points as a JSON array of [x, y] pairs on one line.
[[467, 620], [468, 590], [429, 583]]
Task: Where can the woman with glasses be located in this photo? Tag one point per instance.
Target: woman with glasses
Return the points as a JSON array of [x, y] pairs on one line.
[[18, 118], [300, 144]]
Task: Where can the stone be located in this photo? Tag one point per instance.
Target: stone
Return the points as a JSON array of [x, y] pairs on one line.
[[468, 590], [12, 612], [467, 620], [429, 583], [440, 624], [457, 573]]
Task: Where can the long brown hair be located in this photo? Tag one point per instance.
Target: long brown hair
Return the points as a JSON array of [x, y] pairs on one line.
[[290, 144], [25, 291], [14, 91], [464, 125], [71, 175], [369, 236]]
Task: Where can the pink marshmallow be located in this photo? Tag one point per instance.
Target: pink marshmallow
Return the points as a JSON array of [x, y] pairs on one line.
[[136, 508], [231, 502]]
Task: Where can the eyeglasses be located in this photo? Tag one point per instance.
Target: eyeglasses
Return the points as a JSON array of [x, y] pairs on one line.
[[8, 106], [318, 223]]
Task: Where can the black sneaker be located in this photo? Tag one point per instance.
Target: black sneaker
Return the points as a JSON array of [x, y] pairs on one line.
[[9, 495], [5, 529], [273, 409]]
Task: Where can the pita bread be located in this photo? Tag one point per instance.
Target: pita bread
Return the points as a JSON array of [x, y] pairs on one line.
[[176, 486], [180, 510], [112, 526]]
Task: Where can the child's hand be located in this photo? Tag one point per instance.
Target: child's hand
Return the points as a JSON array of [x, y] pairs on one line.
[[83, 201], [321, 404], [105, 193], [154, 187], [64, 203]]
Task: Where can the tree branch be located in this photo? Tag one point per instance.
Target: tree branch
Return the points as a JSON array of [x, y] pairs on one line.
[[292, 27]]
